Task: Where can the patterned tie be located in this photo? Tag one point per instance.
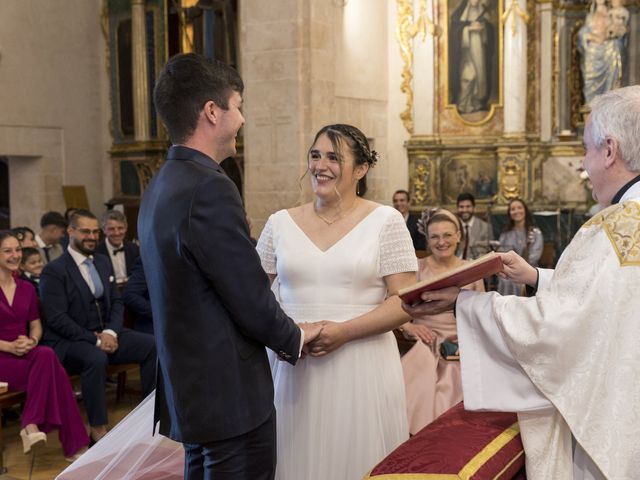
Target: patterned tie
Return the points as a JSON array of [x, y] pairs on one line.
[[98, 288]]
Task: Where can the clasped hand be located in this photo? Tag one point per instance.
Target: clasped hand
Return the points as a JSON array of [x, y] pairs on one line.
[[330, 336], [108, 343], [22, 345]]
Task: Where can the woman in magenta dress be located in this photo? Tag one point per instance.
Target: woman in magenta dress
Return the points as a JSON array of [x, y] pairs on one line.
[[28, 367]]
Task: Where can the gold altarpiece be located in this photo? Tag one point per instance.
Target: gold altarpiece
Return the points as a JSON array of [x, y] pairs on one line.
[[474, 152]]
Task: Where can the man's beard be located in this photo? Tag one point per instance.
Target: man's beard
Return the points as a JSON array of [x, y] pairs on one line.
[[79, 245]]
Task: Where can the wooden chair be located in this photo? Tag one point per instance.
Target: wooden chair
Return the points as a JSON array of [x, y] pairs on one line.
[[8, 399]]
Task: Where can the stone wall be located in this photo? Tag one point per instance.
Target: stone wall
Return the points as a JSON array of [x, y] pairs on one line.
[[54, 96]]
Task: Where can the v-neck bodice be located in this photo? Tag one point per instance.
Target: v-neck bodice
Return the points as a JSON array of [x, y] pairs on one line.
[[350, 272], [15, 317]]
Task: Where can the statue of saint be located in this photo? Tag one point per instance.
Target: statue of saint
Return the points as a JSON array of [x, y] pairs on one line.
[[601, 41]]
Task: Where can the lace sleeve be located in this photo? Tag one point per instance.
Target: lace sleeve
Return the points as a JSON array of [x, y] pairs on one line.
[[396, 247], [265, 248]]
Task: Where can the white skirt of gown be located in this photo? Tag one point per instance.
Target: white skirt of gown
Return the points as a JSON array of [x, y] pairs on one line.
[[340, 414]]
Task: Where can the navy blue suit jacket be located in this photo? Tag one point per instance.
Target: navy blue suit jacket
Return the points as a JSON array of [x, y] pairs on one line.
[[213, 309], [66, 302]]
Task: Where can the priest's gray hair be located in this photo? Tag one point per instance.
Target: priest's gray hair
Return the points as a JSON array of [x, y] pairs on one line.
[[616, 114]]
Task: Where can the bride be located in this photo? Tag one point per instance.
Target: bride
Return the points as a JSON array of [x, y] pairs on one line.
[[335, 260]]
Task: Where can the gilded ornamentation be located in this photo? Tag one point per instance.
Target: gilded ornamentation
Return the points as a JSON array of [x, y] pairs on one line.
[[575, 79], [511, 178], [621, 223], [514, 8], [406, 30], [419, 182]]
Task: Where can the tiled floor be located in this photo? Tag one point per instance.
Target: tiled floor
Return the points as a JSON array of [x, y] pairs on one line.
[[49, 460]]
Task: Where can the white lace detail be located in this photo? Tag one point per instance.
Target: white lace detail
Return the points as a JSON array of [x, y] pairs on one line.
[[396, 248], [265, 248]]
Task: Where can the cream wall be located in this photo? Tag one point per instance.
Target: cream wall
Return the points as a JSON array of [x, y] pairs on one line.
[[54, 96], [308, 63]]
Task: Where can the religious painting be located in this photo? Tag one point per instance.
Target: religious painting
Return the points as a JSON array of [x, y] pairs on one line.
[[469, 174], [473, 58]]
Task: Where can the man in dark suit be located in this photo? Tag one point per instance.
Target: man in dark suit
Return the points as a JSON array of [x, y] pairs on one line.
[[401, 202], [122, 253], [213, 309], [82, 311]]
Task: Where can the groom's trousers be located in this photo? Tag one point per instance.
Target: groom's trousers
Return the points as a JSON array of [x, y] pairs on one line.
[[250, 456]]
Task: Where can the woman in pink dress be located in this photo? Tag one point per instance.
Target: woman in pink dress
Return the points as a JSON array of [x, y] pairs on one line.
[[27, 367], [433, 384]]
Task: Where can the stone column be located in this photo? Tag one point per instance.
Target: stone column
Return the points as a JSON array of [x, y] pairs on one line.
[[139, 71], [546, 70], [515, 68]]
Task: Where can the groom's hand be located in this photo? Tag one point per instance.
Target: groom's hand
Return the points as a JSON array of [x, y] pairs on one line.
[[311, 331]]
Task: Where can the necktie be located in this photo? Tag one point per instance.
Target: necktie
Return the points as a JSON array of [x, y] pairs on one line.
[[466, 242], [46, 252], [98, 288], [118, 250]]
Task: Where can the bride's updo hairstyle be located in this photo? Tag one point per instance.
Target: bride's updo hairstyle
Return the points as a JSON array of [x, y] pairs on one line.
[[341, 134]]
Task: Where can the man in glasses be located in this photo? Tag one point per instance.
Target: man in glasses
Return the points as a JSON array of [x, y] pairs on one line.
[[82, 313]]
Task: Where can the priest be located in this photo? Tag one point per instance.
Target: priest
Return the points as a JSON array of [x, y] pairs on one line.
[[567, 360]]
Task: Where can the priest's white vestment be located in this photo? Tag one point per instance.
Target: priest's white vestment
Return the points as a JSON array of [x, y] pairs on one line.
[[567, 360]]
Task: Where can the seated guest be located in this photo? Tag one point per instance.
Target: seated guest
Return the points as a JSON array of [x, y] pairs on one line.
[[25, 236], [433, 384], [31, 368], [64, 241], [476, 233], [83, 317], [123, 253], [401, 202], [523, 237], [136, 299], [52, 228], [31, 266]]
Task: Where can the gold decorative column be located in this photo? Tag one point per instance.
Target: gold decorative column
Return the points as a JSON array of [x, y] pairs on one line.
[[139, 71]]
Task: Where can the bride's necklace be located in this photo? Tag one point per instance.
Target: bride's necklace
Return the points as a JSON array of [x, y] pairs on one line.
[[338, 217]]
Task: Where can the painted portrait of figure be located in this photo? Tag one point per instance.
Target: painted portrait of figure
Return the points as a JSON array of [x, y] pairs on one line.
[[473, 56], [471, 174]]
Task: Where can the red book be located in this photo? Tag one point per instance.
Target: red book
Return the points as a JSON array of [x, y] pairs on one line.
[[483, 267]]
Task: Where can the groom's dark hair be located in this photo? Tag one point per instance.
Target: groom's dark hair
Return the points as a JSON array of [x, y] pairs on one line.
[[185, 84]]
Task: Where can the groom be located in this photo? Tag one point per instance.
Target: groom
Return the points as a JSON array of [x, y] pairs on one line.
[[213, 310]]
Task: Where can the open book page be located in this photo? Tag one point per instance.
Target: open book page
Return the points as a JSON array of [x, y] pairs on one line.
[[483, 267]]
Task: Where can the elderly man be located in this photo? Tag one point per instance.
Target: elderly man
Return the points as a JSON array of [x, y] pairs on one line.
[[122, 253], [567, 360]]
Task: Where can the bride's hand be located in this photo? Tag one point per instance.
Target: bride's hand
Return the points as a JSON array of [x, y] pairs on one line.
[[332, 337], [413, 331]]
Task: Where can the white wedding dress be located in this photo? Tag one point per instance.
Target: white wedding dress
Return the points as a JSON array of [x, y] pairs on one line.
[[338, 415]]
